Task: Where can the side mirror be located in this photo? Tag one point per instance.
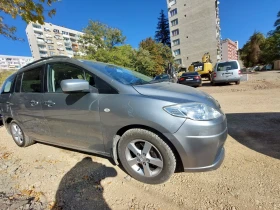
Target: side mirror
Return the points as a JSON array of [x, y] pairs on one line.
[[74, 85]]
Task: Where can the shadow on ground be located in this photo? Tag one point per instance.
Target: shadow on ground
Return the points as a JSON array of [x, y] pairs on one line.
[[208, 84], [257, 131], [80, 187]]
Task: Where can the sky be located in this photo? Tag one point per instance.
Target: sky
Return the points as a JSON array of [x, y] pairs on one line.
[[138, 19]]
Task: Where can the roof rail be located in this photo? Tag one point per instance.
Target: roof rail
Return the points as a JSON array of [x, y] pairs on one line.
[[42, 59]]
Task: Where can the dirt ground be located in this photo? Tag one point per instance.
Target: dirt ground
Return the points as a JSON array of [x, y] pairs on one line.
[[42, 177]]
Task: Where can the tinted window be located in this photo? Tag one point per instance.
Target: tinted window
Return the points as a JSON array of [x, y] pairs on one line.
[[8, 84], [61, 71], [163, 76], [32, 81], [18, 83], [103, 87], [227, 66], [190, 74]]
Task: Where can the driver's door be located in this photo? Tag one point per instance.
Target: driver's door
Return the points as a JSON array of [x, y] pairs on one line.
[[73, 118]]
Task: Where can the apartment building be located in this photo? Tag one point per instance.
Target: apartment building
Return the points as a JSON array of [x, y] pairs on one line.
[[229, 50], [49, 39], [13, 62], [194, 30]]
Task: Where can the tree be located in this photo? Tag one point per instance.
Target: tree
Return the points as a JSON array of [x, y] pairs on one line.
[[98, 35], [162, 33], [160, 54], [143, 62], [277, 23], [251, 53], [256, 40], [28, 10], [271, 48]]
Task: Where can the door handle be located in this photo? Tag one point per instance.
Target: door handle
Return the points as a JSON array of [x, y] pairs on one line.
[[34, 103], [49, 103]]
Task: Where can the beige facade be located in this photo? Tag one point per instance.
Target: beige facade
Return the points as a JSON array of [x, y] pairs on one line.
[[194, 30], [49, 39], [13, 62]]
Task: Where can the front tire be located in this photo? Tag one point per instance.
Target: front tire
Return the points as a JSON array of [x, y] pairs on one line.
[[146, 157], [237, 82], [19, 136]]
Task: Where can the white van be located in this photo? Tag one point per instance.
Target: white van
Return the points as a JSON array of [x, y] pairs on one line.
[[226, 71]]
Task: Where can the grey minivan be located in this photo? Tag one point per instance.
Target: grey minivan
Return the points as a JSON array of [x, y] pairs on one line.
[[226, 72], [152, 128]]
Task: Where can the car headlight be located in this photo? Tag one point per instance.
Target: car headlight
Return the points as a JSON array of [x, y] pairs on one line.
[[194, 111]]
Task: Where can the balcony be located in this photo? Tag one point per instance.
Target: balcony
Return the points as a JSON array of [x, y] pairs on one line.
[[72, 35], [39, 36], [40, 41], [37, 27], [43, 55]]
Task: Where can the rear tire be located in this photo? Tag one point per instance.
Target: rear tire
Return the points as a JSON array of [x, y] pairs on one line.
[[20, 138], [146, 157], [237, 82]]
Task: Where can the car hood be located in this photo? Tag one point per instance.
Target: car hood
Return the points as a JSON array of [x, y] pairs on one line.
[[176, 93]]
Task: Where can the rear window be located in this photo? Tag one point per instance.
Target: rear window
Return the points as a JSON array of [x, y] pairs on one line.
[[231, 65], [190, 74], [163, 76]]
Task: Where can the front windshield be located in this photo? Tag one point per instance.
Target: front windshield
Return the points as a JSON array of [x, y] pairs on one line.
[[122, 75]]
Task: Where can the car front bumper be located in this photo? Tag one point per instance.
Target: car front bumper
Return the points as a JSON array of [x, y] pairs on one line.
[[200, 144]]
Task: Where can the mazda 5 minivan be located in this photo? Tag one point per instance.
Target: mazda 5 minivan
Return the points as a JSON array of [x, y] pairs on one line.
[[152, 128]]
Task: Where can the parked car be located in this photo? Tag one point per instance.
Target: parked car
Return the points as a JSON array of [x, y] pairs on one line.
[[256, 68], [165, 78], [226, 72], [162, 78], [191, 79], [266, 67], [150, 128]]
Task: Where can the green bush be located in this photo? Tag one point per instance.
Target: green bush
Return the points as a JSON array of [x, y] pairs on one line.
[[4, 75]]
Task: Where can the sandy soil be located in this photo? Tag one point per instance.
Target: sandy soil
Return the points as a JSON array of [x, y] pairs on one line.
[[45, 177]]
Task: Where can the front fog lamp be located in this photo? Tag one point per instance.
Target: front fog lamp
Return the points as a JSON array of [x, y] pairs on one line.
[[194, 111]]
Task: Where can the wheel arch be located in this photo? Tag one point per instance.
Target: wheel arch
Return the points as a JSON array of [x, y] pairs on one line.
[[121, 131]]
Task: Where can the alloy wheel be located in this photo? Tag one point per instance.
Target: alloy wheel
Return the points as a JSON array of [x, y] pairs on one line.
[[17, 133], [144, 158]]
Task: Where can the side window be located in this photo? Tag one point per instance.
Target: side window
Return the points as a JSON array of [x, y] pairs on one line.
[[32, 81], [61, 71], [8, 85], [18, 83], [104, 87]]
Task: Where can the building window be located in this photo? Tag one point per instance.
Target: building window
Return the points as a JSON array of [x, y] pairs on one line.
[[52, 53], [171, 2], [49, 41], [50, 47], [36, 26], [173, 12], [65, 33], [47, 29], [55, 31], [174, 22], [175, 32], [177, 52], [176, 42], [178, 61]]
